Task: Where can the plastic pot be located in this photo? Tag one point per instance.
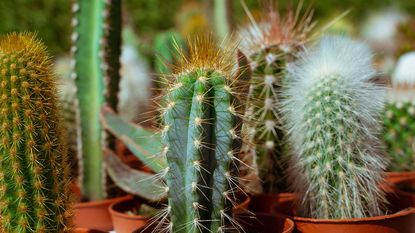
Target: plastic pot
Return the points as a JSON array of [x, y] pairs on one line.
[[401, 218], [95, 214]]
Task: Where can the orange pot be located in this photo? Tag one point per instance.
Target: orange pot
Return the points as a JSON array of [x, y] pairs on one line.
[[261, 223], [401, 219], [95, 214], [394, 177], [126, 223]]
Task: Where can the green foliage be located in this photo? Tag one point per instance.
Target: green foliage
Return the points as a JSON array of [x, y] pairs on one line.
[[165, 45], [96, 38], [34, 182], [23, 15], [399, 135]]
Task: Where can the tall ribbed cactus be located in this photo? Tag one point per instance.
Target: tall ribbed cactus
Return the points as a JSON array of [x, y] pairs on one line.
[[34, 185], [96, 38], [399, 117], [270, 44], [332, 110], [202, 139]]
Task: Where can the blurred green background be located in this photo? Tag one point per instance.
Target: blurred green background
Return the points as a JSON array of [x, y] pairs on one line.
[[51, 18]]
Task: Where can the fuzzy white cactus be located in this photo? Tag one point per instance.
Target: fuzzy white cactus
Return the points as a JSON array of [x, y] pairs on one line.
[[332, 111]]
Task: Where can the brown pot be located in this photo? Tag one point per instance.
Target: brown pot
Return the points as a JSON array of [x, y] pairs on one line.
[[401, 219], [394, 177], [126, 223], [242, 207], [261, 223], [95, 214], [263, 203]]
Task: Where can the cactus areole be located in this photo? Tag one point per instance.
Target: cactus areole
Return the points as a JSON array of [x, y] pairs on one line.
[[34, 186], [202, 137]]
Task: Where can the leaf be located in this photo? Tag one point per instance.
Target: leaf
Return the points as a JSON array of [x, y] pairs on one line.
[[145, 185], [145, 144]]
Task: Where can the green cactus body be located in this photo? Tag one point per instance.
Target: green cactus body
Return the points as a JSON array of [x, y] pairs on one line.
[[201, 136], [96, 54], [333, 112], [270, 44], [399, 136], [34, 185], [266, 129]]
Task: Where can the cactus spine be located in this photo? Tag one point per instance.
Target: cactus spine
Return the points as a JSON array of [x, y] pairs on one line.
[[34, 185], [96, 53], [332, 110], [270, 44], [202, 137]]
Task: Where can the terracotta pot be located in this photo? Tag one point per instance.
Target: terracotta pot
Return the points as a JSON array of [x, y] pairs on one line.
[[123, 222], [95, 215], [394, 177], [401, 219], [262, 223], [263, 203], [84, 230], [242, 207], [407, 185]]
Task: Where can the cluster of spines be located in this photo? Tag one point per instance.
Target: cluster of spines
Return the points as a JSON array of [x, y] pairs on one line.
[[96, 49], [202, 136], [34, 185], [399, 136], [332, 111]]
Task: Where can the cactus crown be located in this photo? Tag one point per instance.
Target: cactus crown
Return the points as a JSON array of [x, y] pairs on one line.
[[202, 138], [332, 112], [34, 186]]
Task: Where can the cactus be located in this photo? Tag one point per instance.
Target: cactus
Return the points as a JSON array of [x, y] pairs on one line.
[[332, 112], [202, 138], [34, 185], [270, 44], [96, 51], [399, 117]]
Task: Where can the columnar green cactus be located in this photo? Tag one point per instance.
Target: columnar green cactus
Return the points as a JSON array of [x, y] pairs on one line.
[[399, 118], [34, 185], [96, 50], [270, 44], [202, 138], [332, 110]]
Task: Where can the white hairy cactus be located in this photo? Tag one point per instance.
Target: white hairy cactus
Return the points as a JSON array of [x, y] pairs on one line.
[[332, 112]]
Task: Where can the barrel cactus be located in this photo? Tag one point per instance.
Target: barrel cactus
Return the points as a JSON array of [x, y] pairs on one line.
[[34, 185], [270, 44], [333, 110], [399, 118]]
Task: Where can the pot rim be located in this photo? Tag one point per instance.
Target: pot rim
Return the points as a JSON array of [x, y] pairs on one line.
[[394, 174], [114, 212], [89, 204], [403, 212]]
